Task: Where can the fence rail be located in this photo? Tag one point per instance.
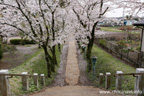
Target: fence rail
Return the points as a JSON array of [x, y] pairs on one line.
[[139, 75], [5, 76], [115, 50], [20, 75], [134, 74]]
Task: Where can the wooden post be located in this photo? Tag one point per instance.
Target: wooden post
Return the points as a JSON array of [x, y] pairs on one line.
[[25, 82], [108, 78], [101, 78], [35, 78], [139, 82], [42, 79], [119, 80], [4, 83]]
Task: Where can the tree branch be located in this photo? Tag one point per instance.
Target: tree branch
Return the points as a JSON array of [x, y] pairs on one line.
[[29, 21], [13, 26], [9, 5], [81, 22]]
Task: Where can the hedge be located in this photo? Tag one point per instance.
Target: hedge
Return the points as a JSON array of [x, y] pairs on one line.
[[19, 41]]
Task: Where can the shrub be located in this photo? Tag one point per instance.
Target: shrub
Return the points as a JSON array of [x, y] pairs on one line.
[[19, 41], [127, 28], [122, 44], [138, 48], [103, 42], [8, 48]]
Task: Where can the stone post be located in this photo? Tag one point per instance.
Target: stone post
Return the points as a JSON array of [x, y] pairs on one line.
[[4, 83], [35, 78], [101, 78], [25, 82], [108, 78], [119, 80], [139, 82], [42, 79]]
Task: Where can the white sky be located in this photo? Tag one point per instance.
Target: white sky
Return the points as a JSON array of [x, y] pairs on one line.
[[119, 13], [115, 13]]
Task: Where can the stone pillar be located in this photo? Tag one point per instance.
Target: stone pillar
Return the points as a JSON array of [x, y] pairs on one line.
[[139, 82], [42, 79], [108, 78], [4, 83], [25, 82], [119, 80], [35, 79], [101, 78]]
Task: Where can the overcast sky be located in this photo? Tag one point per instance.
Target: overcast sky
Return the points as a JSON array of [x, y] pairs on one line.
[[119, 13], [115, 13]]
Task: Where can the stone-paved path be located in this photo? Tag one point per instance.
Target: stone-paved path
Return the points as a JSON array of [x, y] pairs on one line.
[[72, 77]]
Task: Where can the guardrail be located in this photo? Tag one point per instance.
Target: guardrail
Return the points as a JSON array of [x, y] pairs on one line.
[[4, 81], [139, 85]]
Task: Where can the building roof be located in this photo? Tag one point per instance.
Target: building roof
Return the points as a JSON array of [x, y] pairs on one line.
[[139, 23]]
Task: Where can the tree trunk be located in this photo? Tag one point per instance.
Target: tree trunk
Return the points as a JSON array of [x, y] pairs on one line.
[[88, 55], [39, 46], [78, 44], [89, 47], [59, 47], [54, 59], [47, 61]]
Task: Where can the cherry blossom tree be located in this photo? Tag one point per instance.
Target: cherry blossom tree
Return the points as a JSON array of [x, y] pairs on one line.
[[41, 20], [88, 13]]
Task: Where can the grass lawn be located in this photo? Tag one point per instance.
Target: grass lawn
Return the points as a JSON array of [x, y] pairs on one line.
[[111, 29], [35, 64], [107, 63], [115, 29]]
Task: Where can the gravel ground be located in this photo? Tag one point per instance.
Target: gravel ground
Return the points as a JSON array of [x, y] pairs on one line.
[[83, 79], [60, 78]]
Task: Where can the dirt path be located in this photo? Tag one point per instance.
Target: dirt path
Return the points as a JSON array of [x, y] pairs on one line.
[[72, 79], [72, 69]]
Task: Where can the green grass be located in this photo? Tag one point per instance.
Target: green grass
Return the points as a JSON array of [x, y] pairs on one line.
[[110, 29], [35, 64], [115, 29], [107, 63]]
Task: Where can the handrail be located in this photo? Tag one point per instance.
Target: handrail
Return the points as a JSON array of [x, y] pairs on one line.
[[5, 76], [125, 74], [119, 79], [20, 75]]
